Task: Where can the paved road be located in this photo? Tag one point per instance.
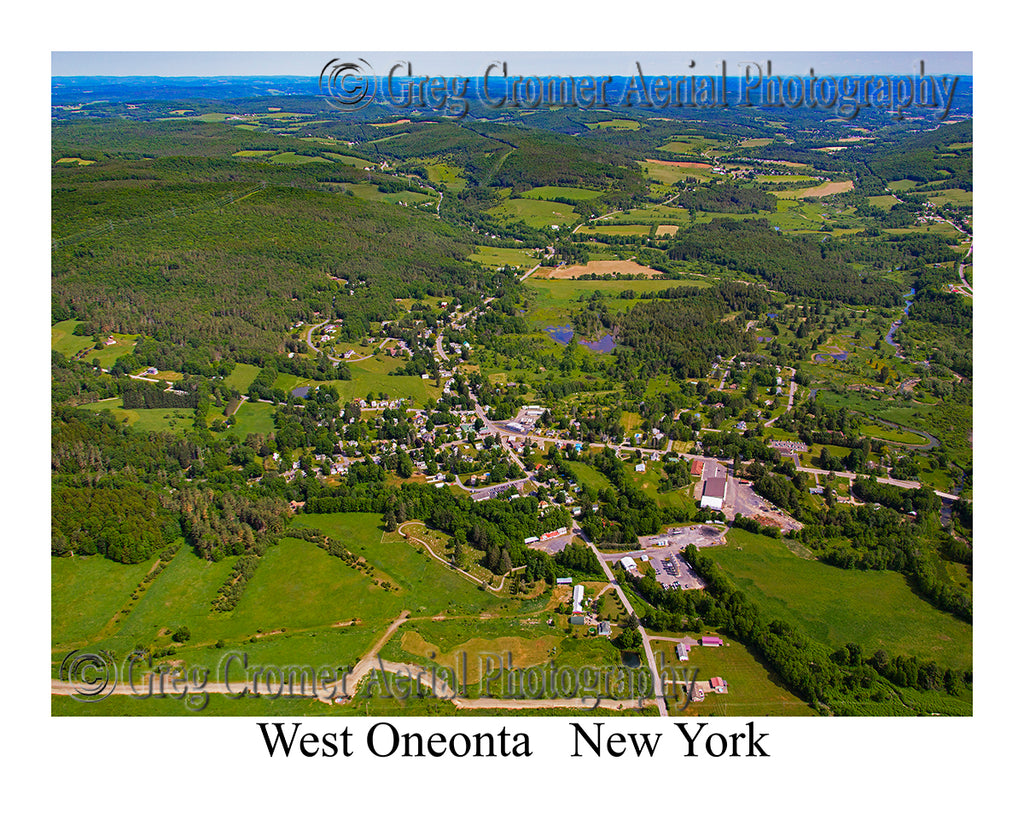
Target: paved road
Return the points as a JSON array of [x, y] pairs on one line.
[[659, 693]]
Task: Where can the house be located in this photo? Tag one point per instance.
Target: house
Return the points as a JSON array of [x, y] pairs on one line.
[[711, 641], [628, 564], [719, 686], [604, 629], [563, 581], [682, 651], [640, 467], [576, 620]]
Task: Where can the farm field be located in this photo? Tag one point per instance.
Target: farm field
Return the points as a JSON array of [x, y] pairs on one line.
[[825, 189], [877, 610], [601, 268]]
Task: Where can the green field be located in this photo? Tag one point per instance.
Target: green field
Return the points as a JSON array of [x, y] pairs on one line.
[[85, 593], [553, 192], [837, 606], [885, 201], [953, 196], [251, 417], [899, 436], [441, 173], [426, 585], [292, 158], [615, 230], [556, 298], [534, 212], [64, 341], [242, 377], [371, 375], [689, 145], [754, 690], [783, 177], [501, 256], [586, 475], [670, 174], [616, 124], [146, 420]]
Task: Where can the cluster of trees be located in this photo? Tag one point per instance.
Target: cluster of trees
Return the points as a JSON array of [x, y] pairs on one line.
[[723, 198], [681, 335], [884, 539], [221, 524], [128, 523], [152, 396], [920, 501], [799, 266]]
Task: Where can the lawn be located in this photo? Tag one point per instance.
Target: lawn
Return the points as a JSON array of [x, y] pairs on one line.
[[877, 610]]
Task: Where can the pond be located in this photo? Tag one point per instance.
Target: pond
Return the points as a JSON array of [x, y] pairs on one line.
[[631, 659], [563, 335], [602, 345]]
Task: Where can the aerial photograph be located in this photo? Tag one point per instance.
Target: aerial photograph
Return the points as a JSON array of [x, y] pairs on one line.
[[511, 385]]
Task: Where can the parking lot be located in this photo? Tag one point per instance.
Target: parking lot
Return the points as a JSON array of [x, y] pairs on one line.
[[673, 572]]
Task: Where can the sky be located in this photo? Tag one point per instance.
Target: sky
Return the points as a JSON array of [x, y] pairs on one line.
[[474, 63]]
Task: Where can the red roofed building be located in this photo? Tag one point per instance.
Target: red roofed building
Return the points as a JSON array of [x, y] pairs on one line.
[[697, 468]]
